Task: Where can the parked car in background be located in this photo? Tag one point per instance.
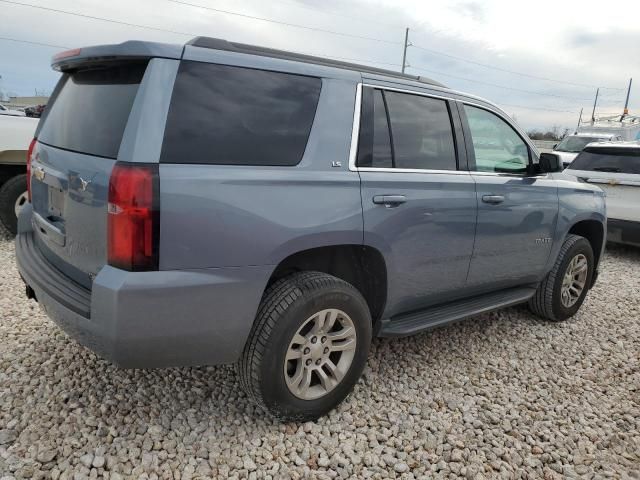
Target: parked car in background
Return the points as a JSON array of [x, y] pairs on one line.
[[9, 112], [615, 167], [35, 111], [15, 135], [225, 203], [571, 145]]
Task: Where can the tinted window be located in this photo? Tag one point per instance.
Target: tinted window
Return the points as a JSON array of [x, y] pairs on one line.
[[497, 147], [576, 143], [421, 131], [608, 160], [239, 116], [91, 110], [374, 142]]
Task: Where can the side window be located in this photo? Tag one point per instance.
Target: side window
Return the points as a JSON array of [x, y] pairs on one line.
[[374, 142], [226, 115], [422, 132], [497, 147]]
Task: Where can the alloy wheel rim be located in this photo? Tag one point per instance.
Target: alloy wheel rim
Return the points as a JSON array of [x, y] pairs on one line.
[[574, 281], [320, 354], [20, 201]]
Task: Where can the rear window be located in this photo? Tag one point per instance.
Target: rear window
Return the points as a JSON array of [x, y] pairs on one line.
[[91, 110], [227, 115], [608, 160]]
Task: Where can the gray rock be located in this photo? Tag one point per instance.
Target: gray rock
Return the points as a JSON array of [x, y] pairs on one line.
[[7, 437], [401, 467]]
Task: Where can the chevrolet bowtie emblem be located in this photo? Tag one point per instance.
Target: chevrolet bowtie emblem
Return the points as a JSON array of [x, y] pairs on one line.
[[83, 184]]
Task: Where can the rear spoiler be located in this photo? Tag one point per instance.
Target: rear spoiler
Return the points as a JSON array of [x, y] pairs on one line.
[[132, 50]]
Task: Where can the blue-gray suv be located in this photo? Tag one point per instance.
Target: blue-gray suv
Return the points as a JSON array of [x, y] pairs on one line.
[[225, 203]]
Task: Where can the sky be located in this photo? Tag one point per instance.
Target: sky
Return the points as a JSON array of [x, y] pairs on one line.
[[541, 62]]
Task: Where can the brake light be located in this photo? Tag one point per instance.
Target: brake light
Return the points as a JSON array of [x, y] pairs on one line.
[[29, 153], [133, 217], [67, 53]]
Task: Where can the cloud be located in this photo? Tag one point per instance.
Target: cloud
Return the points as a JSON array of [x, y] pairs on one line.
[[475, 10], [583, 44]]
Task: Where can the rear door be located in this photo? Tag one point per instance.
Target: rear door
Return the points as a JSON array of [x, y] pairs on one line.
[[419, 207], [78, 144], [517, 212]]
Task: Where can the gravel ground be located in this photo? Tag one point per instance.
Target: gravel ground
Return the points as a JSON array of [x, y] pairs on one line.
[[501, 395]]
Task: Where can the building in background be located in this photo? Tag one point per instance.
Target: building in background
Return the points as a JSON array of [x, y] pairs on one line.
[[23, 102]]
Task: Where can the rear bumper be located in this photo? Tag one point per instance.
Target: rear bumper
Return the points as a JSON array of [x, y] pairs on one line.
[[150, 319], [623, 231]]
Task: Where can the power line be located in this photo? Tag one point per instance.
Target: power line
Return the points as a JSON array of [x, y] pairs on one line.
[[436, 52], [536, 108], [501, 86], [102, 19], [342, 15], [33, 43], [62, 47], [12, 2], [227, 12], [287, 24], [189, 34]]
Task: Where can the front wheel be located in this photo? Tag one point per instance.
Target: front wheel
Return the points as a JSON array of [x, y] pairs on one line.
[[561, 293], [308, 346]]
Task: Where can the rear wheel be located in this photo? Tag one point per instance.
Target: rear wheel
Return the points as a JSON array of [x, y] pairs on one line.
[[563, 290], [13, 197], [308, 346]]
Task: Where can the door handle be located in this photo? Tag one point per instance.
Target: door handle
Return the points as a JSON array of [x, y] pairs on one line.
[[493, 199], [389, 201]]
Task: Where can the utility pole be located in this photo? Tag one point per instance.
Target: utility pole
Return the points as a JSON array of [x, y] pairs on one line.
[[404, 52], [595, 102], [626, 102], [579, 120]]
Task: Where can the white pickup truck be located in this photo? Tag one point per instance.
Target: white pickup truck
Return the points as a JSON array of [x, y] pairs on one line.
[[16, 134]]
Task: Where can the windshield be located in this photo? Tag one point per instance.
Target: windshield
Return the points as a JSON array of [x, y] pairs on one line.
[[575, 144], [608, 160]]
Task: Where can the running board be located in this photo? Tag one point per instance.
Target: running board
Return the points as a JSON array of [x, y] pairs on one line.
[[415, 322]]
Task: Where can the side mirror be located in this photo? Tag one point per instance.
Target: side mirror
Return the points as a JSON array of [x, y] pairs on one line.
[[549, 163], [555, 145]]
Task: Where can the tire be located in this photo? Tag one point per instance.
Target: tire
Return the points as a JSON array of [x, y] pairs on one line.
[[548, 301], [10, 192], [287, 306]]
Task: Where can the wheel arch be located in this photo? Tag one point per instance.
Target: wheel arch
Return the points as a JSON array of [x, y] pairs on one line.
[[594, 232], [362, 266]]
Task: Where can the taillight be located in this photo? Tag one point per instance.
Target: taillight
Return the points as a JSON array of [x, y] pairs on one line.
[[133, 224], [29, 153]]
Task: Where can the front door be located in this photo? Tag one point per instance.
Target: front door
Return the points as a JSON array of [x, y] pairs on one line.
[[419, 209], [517, 212]]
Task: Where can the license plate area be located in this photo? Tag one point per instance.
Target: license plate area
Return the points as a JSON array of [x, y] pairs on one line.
[[55, 208]]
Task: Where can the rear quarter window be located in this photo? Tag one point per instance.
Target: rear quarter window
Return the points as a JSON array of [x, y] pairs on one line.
[[91, 109], [608, 160], [224, 115]]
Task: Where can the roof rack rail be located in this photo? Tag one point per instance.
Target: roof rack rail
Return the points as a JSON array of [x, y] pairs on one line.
[[220, 44]]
